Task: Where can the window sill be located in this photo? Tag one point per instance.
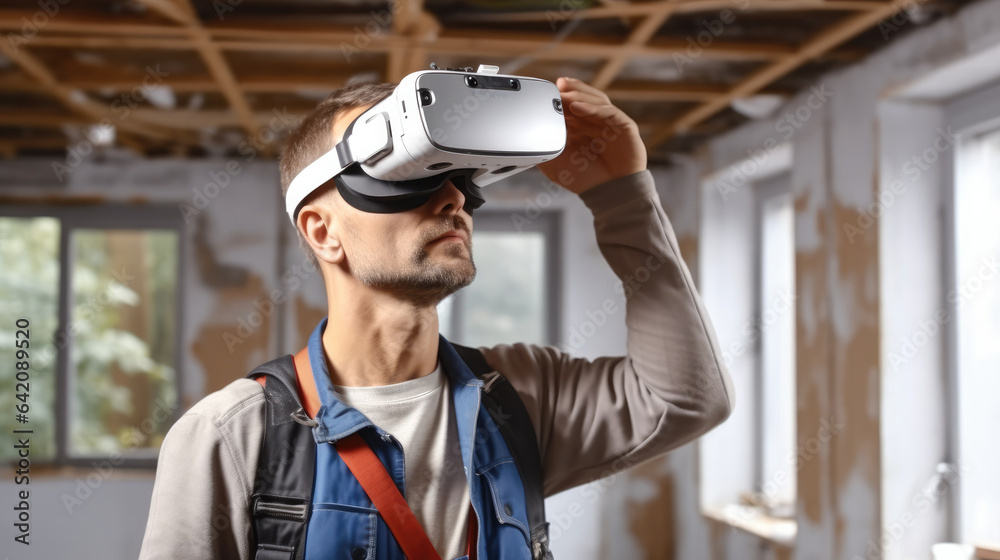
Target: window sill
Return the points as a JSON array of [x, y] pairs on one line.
[[777, 530], [988, 551]]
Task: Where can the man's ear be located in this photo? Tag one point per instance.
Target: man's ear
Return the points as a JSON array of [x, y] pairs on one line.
[[319, 225]]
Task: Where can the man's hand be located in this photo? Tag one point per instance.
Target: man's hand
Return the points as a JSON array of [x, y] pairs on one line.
[[602, 142]]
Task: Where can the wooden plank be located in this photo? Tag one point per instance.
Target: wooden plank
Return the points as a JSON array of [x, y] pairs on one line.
[[112, 42], [639, 36], [227, 83], [168, 9], [184, 14], [639, 9], [41, 119], [12, 20], [75, 100], [623, 90], [816, 46], [456, 42], [653, 92]]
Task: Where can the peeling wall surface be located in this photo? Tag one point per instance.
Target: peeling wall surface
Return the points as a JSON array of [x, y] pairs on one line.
[[867, 272]]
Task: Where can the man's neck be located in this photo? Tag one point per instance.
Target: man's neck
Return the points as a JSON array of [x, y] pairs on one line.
[[379, 340]]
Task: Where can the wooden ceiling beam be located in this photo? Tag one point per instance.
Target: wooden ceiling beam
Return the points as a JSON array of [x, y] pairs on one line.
[[640, 9], [77, 101], [451, 42], [169, 9], [184, 14], [194, 84], [758, 80], [185, 119], [638, 37], [409, 19], [473, 45], [652, 92], [620, 90]]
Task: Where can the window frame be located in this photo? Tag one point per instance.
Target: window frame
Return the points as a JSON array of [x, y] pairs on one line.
[[549, 224], [103, 216]]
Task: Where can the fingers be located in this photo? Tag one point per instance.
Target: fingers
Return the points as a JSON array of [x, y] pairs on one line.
[[572, 96], [596, 115], [588, 108], [566, 84]]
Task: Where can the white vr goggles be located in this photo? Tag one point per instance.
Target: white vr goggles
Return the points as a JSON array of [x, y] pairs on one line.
[[474, 128]]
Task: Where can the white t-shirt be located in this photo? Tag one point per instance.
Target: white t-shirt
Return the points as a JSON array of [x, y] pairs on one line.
[[419, 413]]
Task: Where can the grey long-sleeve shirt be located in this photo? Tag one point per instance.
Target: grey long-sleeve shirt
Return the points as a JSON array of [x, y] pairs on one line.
[[592, 418], [596, 418]]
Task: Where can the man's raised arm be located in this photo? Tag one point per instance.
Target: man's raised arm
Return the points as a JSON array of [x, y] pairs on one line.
[[595, 418]]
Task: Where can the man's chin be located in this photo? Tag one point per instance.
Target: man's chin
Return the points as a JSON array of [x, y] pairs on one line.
[[434, 283]]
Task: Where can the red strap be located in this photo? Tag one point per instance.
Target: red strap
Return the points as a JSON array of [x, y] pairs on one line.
[[308, 395], [383, 492], [470, 547]]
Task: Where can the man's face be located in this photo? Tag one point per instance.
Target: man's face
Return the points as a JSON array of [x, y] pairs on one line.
[[423, 254]]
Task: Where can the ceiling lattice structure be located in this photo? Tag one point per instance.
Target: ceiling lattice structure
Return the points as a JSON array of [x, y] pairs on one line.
[[200, 77]]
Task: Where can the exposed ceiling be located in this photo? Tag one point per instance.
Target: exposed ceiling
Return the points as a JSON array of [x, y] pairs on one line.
[[201, 77]]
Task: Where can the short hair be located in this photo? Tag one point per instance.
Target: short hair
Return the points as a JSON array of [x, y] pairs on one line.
[[313, 137]]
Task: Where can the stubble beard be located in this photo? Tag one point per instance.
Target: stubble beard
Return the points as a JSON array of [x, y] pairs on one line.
[[420, 281]]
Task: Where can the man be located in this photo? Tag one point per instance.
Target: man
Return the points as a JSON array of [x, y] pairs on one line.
[[380, 367]]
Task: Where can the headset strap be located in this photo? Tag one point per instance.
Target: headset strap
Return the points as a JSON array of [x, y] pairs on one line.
[[363, 141], [316, 174]]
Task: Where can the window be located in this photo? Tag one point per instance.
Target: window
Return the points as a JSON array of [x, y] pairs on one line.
[[776, 474], [514, 297], [748, 464], [96, 292], [974, 300]]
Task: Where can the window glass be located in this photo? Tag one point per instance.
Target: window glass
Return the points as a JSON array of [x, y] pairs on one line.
[[124, 314], [505, 303], [976, 303], [29, 289], [777, 359]]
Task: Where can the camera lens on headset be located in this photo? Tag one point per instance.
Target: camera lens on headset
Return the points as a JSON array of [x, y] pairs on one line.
[[471, 81], [425, 97]]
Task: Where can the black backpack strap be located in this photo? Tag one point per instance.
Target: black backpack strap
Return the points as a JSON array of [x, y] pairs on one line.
[[282, 498], [507, 409]]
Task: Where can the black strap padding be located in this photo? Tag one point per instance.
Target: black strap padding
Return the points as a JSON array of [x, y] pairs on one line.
[[282, 497], [511, 417]]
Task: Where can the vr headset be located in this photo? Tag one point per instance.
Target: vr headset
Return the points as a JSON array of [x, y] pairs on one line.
[[474, 128]]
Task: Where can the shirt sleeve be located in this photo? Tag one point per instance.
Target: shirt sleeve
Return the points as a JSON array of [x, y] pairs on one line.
[[204, 477], [594, 418]]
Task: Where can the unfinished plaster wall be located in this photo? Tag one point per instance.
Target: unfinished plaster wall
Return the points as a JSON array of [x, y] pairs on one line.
[[231, 246]]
